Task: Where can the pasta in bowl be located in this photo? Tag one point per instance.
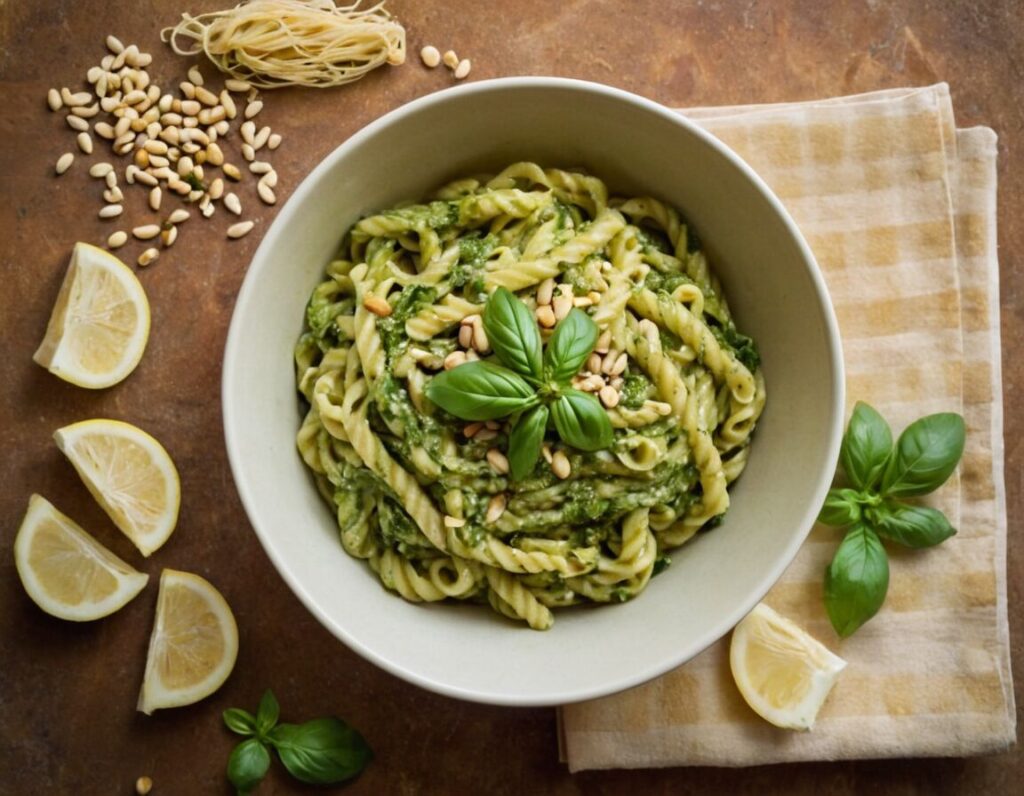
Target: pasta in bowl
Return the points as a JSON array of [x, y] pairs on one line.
[[625, 410], [614, 172]]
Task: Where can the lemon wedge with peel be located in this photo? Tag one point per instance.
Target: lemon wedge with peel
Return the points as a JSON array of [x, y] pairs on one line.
[[65, 571], [782, 672], [100, 323], [194, 643], [130, 475]]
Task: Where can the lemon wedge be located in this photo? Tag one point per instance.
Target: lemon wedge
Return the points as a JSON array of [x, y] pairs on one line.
[[65, 571], [130, 475], [100, 323], [783, 673], [194, 643]]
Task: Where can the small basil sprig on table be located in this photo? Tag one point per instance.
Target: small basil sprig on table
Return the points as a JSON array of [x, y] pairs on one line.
[[532, 383], [880, 473], [319, 752]]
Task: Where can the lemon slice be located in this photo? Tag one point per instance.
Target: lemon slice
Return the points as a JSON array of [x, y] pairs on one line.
[[130, 475], [783, 673], [65, 571], [99, 324], [193, 646]]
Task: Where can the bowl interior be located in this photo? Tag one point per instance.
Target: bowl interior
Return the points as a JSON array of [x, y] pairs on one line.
[[773, 288]]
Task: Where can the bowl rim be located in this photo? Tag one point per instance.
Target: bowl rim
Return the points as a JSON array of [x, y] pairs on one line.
[[235, 341]]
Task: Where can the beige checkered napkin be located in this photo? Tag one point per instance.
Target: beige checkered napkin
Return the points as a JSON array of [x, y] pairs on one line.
[[899, 208]]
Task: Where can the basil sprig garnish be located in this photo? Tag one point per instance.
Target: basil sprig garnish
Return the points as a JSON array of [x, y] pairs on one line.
[[532, 382], [320, 752], [923, 458]]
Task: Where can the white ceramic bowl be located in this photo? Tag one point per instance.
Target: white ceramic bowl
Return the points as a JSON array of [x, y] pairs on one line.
[[773, 286]]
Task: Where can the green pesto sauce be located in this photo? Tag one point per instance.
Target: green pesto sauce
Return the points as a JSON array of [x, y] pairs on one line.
[[634, 391], [742, 346], [393, 404], [407, 303]]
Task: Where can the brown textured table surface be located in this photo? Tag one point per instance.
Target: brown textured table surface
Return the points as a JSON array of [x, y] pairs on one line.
[[67, 692]]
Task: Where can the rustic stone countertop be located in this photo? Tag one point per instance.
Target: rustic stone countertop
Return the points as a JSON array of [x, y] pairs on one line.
[[68, 723]]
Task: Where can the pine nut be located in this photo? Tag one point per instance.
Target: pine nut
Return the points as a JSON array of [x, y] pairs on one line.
[[480, 341], [205, 96], [232, 203], [453, 522], [133, 97], [185, 166], [164, 103], [111, 179], [188, 89], [178, 216], [114, 45], [77, 123], [470, 430], [117, 239], [143, 785], [592, 383], [100, 170], [582, 301], [210, 116], [594, 363], [154, 198], [609, 396], [253, 108], [454, 359], [131, 55], [216, 189], [430, 56], [546, 291], [169, 235], [266, 193], [148, 256], [53, 100], [240, 229], [145, 178], [195, 75], [562, 305], [497, 460], [248, 152], [660, 407], [495, 508], [609, 361], [230, 109], [545, 451], [261, 138], [103, 130], [485, 434], [619, 366], [466, 336], [122, 126], [232, 84], [146, 231], [142, 158], [594, 296], [274, 141], [260, 167], [77, 99], [190, 107], [462, 70], [113, 196], [546, 316], [155, 147], [560, 465], [64, 162], [208, 210], [111, 211], [451, 60], [232, 171], [270, 178]]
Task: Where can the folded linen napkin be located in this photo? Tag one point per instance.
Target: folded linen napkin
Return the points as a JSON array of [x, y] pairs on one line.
[[899, 208]]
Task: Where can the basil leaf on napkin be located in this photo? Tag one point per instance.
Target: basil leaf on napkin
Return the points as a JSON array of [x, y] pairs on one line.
[[912, 526], [926, 454], [866, 446], [856, 581]]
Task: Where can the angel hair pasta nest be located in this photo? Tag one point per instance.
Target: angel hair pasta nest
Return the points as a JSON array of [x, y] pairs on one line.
[[426, 497]]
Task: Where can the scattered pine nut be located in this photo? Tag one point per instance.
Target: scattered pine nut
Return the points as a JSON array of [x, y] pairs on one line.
[[462, 70], [594, 362], [148, 256], [466, 336], [546, 291], [377, 305], [114, 45], [270, 178], [253, 108], [274, 141], [169, 235], [560, 465], [454, 359], [216, 189], [609, 396], [195, 76], [240, 229], [238, 86], [546, 316], [154, 197], [146, 231], [143, 785], [64, 162], [619, 366], [266, 193], [100, 170], [232, 171], [117, 239], [178, 216], [233, 203], [53, 100], [430, 56], [451, 60], [77, 123], [561, 304], [113, 196], [260, 167]]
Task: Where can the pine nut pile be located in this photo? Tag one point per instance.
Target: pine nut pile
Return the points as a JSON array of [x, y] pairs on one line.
[[432, 57], [173, 143]]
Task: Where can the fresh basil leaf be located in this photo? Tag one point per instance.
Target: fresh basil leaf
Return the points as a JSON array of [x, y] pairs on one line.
[[525, 441], [513, 333], [913, 526], [322, 751], [841, 508], [240, 721], [248, 764], [267, 713], [570, 345], [480, 391], [866, 446], [581, 421], [856, 581], [927, 453]]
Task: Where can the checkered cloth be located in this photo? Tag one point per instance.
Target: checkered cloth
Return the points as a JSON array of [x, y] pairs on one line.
[[900, 209]]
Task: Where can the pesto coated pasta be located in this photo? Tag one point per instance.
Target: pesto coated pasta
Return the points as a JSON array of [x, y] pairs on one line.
[[427, 498]]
